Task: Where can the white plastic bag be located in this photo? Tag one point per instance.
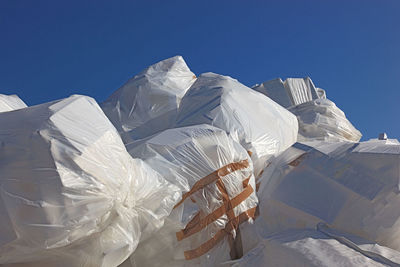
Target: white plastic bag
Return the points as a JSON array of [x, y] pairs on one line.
[[148, 102], [291, 92], [353, 187], [216, 175], [70, 194], [318, 117], [317, 247], [10, 102], [260, 125]]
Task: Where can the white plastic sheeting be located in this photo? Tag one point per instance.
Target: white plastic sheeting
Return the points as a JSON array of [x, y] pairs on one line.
[[318, 117], [10, 102], [148, 102], [291, 92], [353, 187], [318, 248], [259, 124], [70, 194], [321, 119], [216, 175]]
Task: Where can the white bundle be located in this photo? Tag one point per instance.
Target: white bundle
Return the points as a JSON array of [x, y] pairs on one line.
[[10, 102], [148, 102], [316, 248], [216, 175], [319, 118], [70, 194], [353, 187], [260, 125]]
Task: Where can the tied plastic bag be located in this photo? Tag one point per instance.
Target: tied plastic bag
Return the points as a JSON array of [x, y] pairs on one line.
[[148, 102], [10, 102], [208, 226], [70, 194], [260, 125]]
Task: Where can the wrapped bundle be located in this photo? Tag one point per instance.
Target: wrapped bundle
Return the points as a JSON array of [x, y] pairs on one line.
[[148, 102], [353, 187], [260, 125], [10, 102], [70, 194], [291, 92], [318, 247], [319, 118], [208, 226]]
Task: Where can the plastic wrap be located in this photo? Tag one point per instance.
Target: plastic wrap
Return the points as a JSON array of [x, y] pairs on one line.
[[260, 125], [216, 174], [10, 102], [291, 92], [353, 187], [322, 120], [148, 102], [317, 248], [70, 194], [318, 117]]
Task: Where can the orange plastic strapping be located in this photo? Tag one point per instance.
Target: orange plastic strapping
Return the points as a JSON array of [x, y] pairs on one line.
[[208, 245], [197, 224], [212, 177]]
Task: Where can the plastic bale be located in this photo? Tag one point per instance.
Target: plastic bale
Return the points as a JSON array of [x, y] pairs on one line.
[[211, 222], [148, 102], [10, 102], [260, 125], [352, 187], [70, 194]]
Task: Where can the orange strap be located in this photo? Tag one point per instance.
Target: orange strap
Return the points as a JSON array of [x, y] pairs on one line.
[[197, 224], [208, 245], [233, 221], [246, 182], [212, 177]]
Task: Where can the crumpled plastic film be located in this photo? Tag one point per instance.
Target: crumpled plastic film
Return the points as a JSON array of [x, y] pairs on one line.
[[352, 187], [216, 175], [260, 125], [10, 102], [148, 102], [291, 92], [315, 247], [318, 117], [70, 194]]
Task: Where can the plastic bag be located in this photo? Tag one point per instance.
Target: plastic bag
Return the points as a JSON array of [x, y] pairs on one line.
[[353, 187], [10, 102], [318, 247], [70, 194], [322, 120], [318, 117], [260, 125], [148, 102], [216, 175], [291, 92]]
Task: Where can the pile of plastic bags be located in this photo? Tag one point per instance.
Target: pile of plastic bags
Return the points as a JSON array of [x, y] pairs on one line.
[[178, 170]]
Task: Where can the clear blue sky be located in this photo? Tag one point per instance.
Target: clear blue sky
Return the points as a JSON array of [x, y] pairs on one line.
[[52, 49]]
